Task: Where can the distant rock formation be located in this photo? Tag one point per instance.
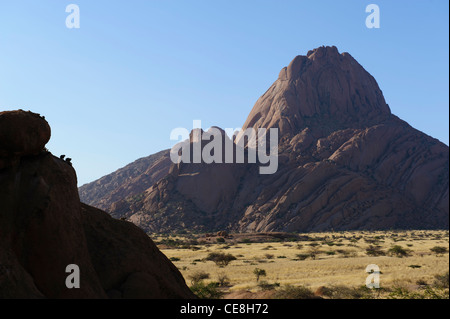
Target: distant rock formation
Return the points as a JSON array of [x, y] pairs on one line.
[[108, 192], [44, 228], [345, 162]]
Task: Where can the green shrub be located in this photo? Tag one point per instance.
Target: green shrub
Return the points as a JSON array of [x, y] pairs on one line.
[[291, 292], [223, 280], [374, 251], [220, 259], [399, 251], [264, 285], [427, 293], [198, 276], [206, 291], [441, 281], [439, 250], [302, 256]]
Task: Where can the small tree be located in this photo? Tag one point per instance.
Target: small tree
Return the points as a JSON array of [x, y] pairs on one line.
[[259, 273], [221, 259]]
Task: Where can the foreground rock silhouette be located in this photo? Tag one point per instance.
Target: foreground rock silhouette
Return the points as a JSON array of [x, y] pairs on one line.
[[345, 162], [44, 228]]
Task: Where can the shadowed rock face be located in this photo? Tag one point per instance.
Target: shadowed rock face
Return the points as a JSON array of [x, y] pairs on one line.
[[345, 162], [22, 133], [44, 228]]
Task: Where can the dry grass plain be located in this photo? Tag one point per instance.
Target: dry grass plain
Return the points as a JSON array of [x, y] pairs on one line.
[[314, 260]]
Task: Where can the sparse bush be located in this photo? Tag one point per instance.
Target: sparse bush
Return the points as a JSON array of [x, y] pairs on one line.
[[220, 239], [399, 251], [302, 256], [374, 251], [264, 285], [402, 293], [291, 292], [313, 252], [421, 282], [223, 280], [439, 250], [427, 293], [343, 252], [174, 259], [206, 291], [441, 281], [198, 276], [220, 259], [269, 256]]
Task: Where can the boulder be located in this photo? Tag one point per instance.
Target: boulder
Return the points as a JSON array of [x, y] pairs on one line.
[[22, 133], [44, 228]]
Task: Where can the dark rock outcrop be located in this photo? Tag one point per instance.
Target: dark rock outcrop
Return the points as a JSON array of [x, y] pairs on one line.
[[44, 228]]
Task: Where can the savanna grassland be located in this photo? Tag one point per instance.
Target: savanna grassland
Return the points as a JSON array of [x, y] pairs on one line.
[[412, 264]]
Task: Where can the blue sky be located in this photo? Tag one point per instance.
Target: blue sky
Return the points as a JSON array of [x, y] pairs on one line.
[[113, 89]]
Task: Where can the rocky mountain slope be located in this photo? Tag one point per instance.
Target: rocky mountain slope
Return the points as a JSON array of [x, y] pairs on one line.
[[44, 228], [127, 181], [345, 162]]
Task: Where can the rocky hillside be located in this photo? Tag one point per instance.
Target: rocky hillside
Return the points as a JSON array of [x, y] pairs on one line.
[[345, 162], [128, 181], [44, 228]]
